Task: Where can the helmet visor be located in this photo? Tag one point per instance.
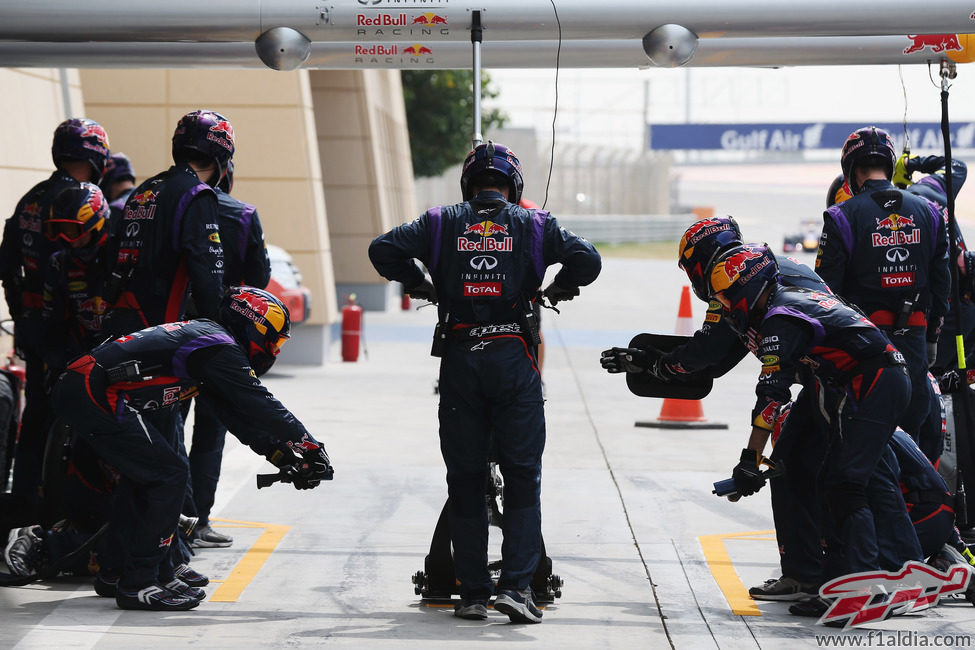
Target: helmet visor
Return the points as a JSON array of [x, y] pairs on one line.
[[66, 229], [274, 347]]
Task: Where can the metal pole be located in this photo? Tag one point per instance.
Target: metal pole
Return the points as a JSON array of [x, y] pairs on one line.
[[66, 93], [948, 73], [476, 36]]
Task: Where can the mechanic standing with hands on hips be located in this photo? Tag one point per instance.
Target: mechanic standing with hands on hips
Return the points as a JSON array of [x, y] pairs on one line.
[[885, 250], [487, 258]]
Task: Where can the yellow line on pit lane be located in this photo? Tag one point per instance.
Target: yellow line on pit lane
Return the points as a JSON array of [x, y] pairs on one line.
[[724, 573], [253, 559]]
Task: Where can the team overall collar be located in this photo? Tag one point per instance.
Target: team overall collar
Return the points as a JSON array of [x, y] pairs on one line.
[[876, 184], [489, 195]]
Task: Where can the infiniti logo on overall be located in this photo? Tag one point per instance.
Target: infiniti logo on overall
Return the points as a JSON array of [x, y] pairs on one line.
[[897, 254], [483, 262]]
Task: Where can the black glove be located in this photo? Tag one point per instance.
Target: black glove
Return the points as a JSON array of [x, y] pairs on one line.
[[423, 291], [554, 293], [632, 360], [662, 371], [747, 475], [313, 468], [932, 347], [282, 455], [949, 382]]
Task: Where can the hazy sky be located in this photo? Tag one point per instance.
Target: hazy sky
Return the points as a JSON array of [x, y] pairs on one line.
[[608, 105]]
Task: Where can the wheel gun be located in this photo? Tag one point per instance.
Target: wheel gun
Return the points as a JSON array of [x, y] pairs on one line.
[[286, 475], [726, 488]]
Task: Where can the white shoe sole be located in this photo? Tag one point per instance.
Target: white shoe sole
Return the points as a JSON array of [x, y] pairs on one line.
[[517, 612]]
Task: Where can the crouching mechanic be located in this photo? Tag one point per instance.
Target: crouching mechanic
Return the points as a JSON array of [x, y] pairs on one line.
[[104, 394], [487, 257], [713, 350], [865, 392]]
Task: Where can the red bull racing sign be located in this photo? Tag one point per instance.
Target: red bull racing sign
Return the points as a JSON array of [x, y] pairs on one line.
[[393, 54], [394, 25]]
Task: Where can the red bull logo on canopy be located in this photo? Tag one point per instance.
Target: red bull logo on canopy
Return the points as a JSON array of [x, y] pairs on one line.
[[937, 42], [398, 24], [416, 50], [429, 19]]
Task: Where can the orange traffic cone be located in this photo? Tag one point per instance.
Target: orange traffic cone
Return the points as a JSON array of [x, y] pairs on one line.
[[682, 413]]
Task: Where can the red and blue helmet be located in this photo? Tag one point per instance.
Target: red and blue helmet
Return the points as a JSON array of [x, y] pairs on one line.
[[81, 139], [738, 279], [701, 244], [207, 133], [117, 168], [258, 321], [867, 143], [492, 160], [75, 212], [839, 191]]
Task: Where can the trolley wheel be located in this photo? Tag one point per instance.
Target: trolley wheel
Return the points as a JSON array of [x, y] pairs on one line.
[[419, 582], [555, 584]]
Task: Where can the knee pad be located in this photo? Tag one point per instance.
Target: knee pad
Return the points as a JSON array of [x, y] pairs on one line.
[[466, 493], [844, 499], [522, 486]]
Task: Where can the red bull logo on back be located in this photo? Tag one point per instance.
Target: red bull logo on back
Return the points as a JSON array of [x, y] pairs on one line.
[[485, 229], [144, 197], [898, 236], [895, 222]]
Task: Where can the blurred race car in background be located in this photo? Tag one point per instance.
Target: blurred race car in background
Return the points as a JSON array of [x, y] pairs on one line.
[[807, 239], [286, 284]]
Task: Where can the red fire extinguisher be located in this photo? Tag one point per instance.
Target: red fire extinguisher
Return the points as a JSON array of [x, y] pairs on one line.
[[404, 301], [351, 329]]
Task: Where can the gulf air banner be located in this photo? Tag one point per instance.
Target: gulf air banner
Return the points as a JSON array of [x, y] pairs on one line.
[[799, 136]]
